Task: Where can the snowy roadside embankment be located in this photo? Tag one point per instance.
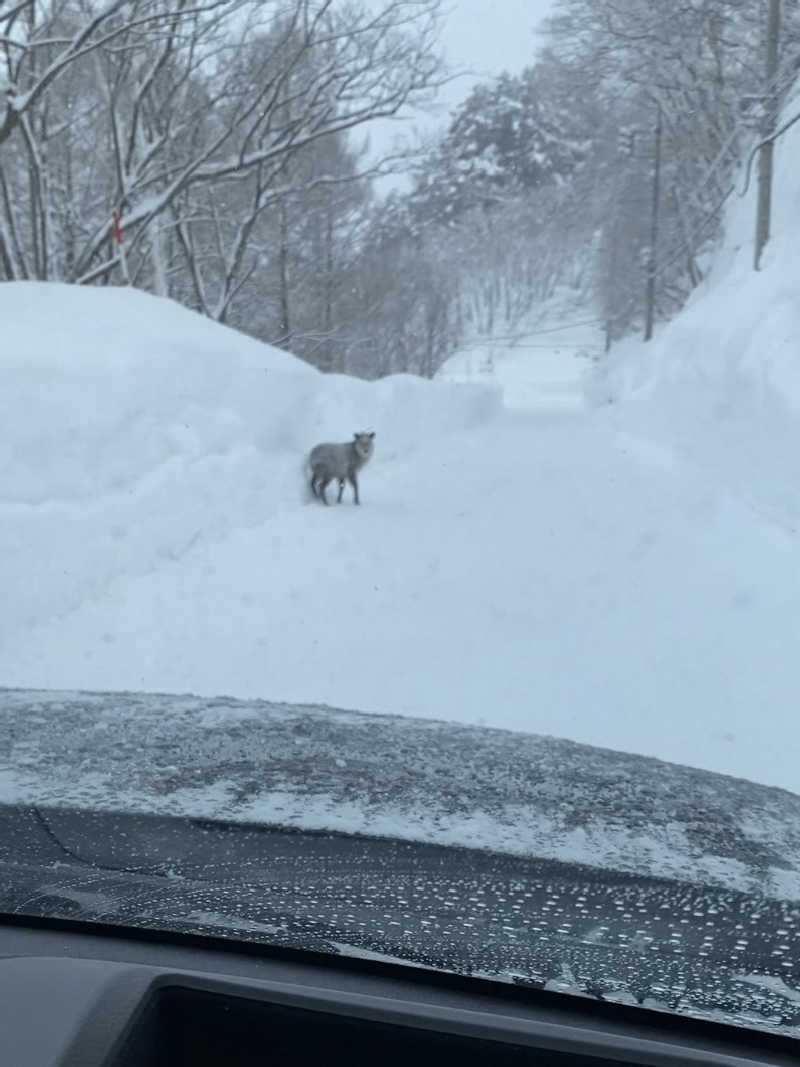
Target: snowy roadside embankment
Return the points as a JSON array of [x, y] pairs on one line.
[[134, 430], [721, 382]]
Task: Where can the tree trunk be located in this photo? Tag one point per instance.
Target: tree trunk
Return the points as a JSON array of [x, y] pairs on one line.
[[158, 261], [327, 312], [650, 297], [285, 330], [767, 152]]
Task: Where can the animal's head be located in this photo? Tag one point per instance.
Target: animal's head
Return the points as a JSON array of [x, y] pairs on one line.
[[364, 443]]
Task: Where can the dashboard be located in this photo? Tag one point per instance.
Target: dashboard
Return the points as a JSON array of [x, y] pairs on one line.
[[78, 994]]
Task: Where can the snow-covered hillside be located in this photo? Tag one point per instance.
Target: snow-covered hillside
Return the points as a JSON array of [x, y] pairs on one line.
[[585, 577]]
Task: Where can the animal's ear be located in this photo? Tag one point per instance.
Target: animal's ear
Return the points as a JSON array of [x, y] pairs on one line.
[[372, 433]]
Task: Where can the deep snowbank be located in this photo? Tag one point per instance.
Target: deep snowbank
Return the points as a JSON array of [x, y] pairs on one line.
[[133, 428], [102, 387], [722, 381]]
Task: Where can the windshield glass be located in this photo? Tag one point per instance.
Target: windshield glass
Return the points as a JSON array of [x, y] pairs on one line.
[[399, 484]]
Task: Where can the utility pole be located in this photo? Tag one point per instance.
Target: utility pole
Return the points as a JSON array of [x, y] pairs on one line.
[[611, 308], [767, 151], [626, 150], [650, 294]]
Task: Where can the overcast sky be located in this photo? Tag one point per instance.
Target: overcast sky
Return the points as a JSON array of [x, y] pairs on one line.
[[492, 35], [485, 36]]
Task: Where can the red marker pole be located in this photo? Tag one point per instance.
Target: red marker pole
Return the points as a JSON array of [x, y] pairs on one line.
[[119, 237]]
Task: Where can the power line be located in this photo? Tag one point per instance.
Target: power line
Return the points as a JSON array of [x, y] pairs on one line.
[[767, 140], [511, 338]]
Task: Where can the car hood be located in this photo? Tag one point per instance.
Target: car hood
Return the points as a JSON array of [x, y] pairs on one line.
[[656, 942]]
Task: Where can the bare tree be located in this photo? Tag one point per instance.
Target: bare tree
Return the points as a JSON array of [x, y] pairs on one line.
[[692, 64], [190, 96], [40, 40]]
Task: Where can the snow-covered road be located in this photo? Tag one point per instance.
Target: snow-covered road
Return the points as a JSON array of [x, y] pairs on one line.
[[544, 571], [541, 573]]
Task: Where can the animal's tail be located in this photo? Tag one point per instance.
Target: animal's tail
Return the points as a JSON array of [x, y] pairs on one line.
[[310, 480]]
